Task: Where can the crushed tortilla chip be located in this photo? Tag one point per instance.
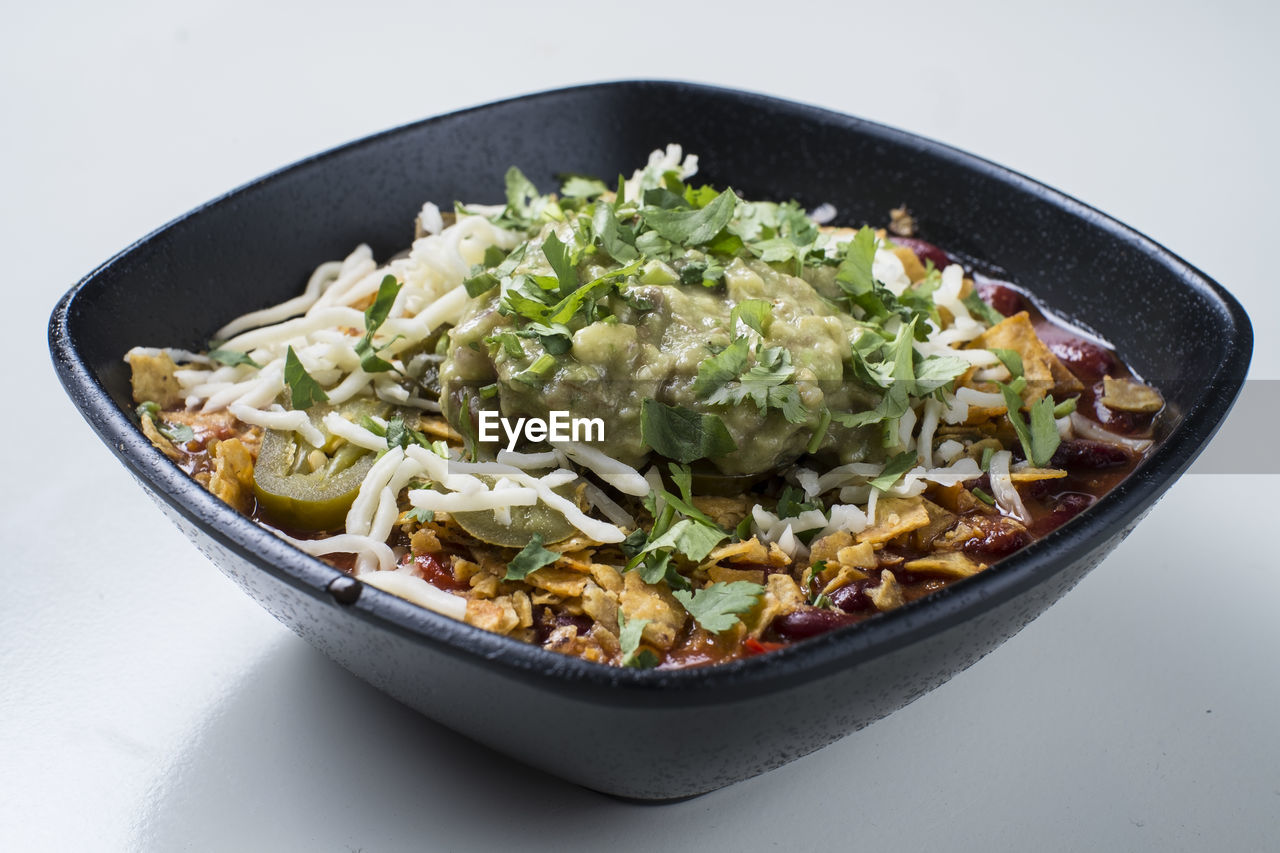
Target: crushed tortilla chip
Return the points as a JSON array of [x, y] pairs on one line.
[[153, 379], [666, 617], [1045, 373], [955, 564], [829, 546], [1031, 475], [894, 517], [726, 512], [725, 574], [159, 442], [1127, 395], [841, 576], [498, 615], [232, 478], [888, 594], [562, 582]]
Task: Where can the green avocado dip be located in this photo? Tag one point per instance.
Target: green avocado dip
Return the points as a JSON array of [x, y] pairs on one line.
[[698, 326]]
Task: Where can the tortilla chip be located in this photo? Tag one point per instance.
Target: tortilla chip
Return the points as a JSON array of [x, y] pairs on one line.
[[642, 601], [563, 582], [954, 564], [1031, 475], [894, 517], [1045, 373], [888, 594], [153, 379], [724, 574], [1128, 395]]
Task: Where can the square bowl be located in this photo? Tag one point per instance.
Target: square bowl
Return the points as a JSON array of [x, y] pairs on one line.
[[654, 734]]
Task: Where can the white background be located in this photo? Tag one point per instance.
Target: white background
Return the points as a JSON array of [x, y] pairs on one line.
[[145, 703]]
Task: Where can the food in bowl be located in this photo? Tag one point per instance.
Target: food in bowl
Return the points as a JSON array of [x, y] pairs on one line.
[[652, 424]]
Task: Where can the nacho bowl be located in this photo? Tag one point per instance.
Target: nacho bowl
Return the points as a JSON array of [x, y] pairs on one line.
[[654, 734]]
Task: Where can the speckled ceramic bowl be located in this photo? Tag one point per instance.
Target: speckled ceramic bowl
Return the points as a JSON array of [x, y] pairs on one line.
[[649, 734]]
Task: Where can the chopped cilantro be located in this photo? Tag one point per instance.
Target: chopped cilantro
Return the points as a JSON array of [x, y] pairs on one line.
[[630, 632], [561, 259], [692, 227], [727, 365], [894, 469], [720, 606], [374, 316], [1011, 359], [531, 558], [422, 516], [578, 186], [791, 503], [1040, 439], [757, 314], [231, 357], [688, 537], [304, 392], [682, 434], [981, 310]]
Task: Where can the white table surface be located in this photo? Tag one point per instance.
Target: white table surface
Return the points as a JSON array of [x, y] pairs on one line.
[[147, 704]]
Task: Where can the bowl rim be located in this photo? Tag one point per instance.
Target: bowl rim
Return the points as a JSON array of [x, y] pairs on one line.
[[802, 661]]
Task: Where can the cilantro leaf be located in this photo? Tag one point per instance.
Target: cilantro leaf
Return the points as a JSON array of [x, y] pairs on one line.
[[422, 516], [894, 469], [1044, 432], [719, 607], [854, 272], [893, 404], [692, 227], [578, 186], [377, 312], [374, 316], [980, 309], [791, 503], [630, 632], [231, 357], [524, 206], [304, 392], [1040, 439], [688, 537], [763, 384], [937, 371], [757, 314], [531, 558], [683, 435], [616, 240], [724, 367], [566, 308], [560, 257], [1011, 359]]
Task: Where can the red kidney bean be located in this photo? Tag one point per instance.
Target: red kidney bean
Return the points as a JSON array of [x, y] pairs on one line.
[[925, 251], [810, 622], [1004, 299], [1088, 360], [1067, 507], [1076, 453], [852, 598], [545, 621], [997, 536]]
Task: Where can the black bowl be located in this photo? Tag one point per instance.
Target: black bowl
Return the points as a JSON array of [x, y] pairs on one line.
[[649, 734]]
